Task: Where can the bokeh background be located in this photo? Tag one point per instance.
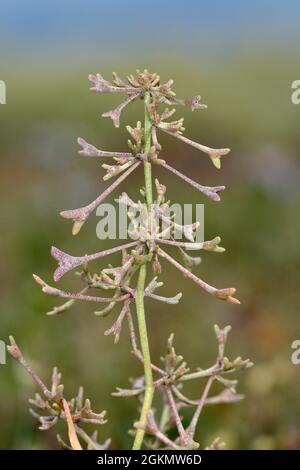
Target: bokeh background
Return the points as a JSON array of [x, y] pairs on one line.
[[242, 58]]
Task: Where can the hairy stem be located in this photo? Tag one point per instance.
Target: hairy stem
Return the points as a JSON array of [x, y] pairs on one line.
[[149, 387]]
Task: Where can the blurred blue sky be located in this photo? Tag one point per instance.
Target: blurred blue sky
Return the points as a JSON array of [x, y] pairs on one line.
[[52, 26]]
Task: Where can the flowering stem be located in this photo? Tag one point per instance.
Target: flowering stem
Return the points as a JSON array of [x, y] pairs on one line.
[[147, 145], [149, 387]]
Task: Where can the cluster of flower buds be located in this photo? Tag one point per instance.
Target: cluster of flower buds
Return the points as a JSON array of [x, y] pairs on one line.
[[127, 162], [52, 406], [170, 381]]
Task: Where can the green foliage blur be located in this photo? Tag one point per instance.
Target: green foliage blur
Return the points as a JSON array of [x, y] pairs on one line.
[[250, 111]]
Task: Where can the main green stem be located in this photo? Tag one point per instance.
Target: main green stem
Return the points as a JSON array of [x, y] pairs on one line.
[[140, 309]]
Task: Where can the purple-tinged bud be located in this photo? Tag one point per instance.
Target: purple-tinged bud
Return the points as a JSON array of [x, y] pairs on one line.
[[156, 266], [13, 349], [227, 294]]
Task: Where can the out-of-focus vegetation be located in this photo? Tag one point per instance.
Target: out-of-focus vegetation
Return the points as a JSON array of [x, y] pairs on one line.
[[249, 110]]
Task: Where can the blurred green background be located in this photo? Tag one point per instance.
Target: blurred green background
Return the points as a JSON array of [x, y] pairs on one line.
[[242, 59]]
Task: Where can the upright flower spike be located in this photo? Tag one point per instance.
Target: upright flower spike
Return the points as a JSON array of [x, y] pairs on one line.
[[152, 233]]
